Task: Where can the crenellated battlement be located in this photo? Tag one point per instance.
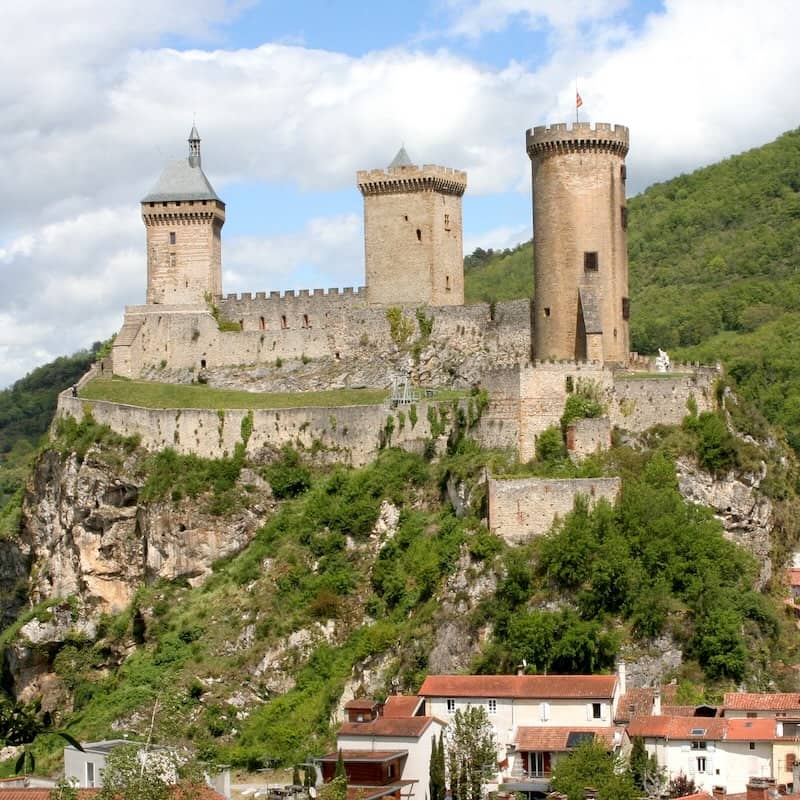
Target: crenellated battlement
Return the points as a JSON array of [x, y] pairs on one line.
[[546, 140], [397, 180], [358, 292]]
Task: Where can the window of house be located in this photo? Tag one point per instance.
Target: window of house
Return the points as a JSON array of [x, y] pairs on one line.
[[597, 710], [419, 235], [491, 706], [172, 237], [447, 222], [752, 715], [306, 323], [547, 311], [284, 323], [538, 764], [90, 774], [752, 745], [699, 745], [623, 172], [701, 763], [261, 324], [545, 709], [202, 363], [623, 212], [790, 759], [447, 283], [172, 259], [590, 261], [451, 705], [626, 308]]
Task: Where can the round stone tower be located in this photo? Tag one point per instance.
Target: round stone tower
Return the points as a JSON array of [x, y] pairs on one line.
[[581, 305], [184, 218], [412, 233]]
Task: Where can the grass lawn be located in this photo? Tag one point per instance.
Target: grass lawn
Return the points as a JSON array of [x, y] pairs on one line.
[[149, 394], [650, 376]]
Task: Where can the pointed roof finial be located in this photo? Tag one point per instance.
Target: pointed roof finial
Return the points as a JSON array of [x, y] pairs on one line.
[[401, 159], [194, 147]]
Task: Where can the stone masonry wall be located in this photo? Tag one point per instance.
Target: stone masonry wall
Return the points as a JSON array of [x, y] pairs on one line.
[[523, 507], [586, 436], [352, 434], [464, 342]]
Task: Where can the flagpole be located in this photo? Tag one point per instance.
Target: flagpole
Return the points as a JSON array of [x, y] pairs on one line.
[[576, 101]]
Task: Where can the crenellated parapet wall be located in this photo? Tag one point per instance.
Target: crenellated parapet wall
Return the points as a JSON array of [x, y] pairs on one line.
[[545, 140], [428, 178]]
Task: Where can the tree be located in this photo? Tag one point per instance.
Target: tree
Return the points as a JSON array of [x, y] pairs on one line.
[[337, 788], [681, 786], [590, 764], [436, 783], [646, 773], [471, 751], [132, 773]]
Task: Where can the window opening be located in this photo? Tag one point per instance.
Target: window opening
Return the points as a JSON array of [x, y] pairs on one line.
[[624, 217], [202, 363], [491, 706], [547, 311], [306, 323], [623, 172], [284, 323], [699, 745], [590, 261], [597, 710], [261, 324], [172, 237], [419, 235], [447, 222], [447, 282], [626, 308], [701, 764], [90, 774], [451, 705]]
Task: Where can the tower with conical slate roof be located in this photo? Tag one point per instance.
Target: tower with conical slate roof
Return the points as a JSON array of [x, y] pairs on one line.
[[184, 218], [412, 233]]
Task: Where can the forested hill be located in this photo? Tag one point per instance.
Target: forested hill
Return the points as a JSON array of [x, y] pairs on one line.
[[714, 260]]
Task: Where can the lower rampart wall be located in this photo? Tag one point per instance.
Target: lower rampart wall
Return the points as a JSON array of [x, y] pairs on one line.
[[347, 434], [523, 507]]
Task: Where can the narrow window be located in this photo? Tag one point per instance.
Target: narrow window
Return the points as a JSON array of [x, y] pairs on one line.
[[597, 710], [491, 706], [570, 387], [547, 311], [419, 235], [172, 259], [391, 771], [623, 210], [284, 324], [306, 323], [451, 705], [89, 774], [626, 308], [261, 324], [172, 237], [447, 283], [405, 217], [752, 745], [701, 764], [623, 172], [202, 363], [447, 222], [751, 715], [590, 261], [177, 202]]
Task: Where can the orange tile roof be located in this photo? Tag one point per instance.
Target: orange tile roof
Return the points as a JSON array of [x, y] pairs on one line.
[[362, 703], [762, 701], [387, 726], [634, 701], [553, 738], [663, 727], [364, 755], [697, 796], [678, 711], [401, 705], [752, 729], [529, 686], [794, 576]]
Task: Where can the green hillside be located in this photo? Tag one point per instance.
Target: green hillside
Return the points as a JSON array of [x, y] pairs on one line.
[[714, 260]]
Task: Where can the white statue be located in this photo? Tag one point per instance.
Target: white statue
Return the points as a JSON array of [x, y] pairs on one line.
[[662, 362]]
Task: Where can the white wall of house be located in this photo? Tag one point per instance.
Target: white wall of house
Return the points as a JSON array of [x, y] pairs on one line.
[[417, 766]]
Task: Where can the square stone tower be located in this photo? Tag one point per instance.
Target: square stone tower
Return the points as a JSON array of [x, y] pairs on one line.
[[413, 236], [580, 218], [184, 218]]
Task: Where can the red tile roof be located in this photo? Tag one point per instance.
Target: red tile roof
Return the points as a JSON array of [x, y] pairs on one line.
[[762, 701], [678, 711], [634, 701], [365, 703], [698, 796], [387, 726], [364, 755], [794, 576], [529, 686], [401, 705], [752, 730], [663, 727], [39, 794], [553, 738]]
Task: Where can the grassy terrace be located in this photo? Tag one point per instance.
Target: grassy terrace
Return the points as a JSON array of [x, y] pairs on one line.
[[149, 394]]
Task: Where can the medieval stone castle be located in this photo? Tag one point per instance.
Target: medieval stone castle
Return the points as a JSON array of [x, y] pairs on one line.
[[408, 320]]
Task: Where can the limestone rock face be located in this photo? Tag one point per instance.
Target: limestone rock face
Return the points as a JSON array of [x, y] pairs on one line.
[[745, 513], [88, 535]]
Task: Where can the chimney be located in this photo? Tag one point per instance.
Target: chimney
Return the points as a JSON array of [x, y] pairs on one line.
[[718, 792], [590, 793], [622, 677], [657, 702], [758, 788]]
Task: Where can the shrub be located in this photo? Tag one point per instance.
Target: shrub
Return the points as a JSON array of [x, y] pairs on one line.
[[288, 477]]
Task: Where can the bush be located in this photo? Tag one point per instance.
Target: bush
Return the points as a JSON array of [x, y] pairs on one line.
[[288, 477]]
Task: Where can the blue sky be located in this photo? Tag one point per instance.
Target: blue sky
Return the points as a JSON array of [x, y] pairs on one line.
[[291, 99]]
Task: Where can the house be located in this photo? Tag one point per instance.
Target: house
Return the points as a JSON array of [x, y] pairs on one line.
[[386, 756]]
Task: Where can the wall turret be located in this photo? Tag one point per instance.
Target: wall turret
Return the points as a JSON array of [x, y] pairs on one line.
[[183, 217], [413, 236], [581, 305]]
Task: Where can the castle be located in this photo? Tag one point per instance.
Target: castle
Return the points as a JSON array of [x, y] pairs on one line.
[[408, 320]]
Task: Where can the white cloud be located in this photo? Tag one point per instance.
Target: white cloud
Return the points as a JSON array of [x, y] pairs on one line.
[[93, 108]]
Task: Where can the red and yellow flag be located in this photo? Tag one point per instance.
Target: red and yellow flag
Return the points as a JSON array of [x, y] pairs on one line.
[[578, 101]]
